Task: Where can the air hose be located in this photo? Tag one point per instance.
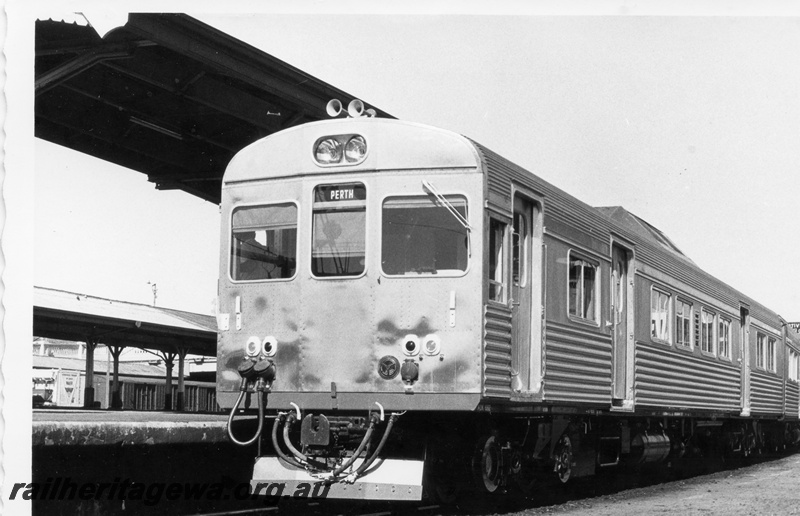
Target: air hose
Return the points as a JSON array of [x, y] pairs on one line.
[[264, 370], [364, 442], [260, 401], [297, 453], [300, 460], [367, 463], [278, 421]]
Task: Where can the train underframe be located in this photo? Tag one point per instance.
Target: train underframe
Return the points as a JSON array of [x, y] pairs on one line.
[[440, 456]]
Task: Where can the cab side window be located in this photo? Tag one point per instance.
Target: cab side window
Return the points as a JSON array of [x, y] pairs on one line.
[[496, 271]]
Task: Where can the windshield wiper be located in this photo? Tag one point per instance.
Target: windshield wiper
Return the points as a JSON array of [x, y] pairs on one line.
[[441, 198], [427, 185]]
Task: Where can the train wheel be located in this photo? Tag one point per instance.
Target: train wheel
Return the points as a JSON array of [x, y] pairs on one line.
[[563, 456], [750, 445], [487, 464]]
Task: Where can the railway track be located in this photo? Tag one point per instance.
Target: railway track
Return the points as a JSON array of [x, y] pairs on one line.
[[341, 508], [548, 498]]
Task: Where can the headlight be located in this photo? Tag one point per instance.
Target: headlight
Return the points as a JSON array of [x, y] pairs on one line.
[[253, 346], [340, 150], [270, 346], [411, 345], [328, 151], [356, 149], [431, 345]]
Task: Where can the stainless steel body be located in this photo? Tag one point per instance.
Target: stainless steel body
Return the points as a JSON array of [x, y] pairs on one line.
[[332, 331], [376, 272]]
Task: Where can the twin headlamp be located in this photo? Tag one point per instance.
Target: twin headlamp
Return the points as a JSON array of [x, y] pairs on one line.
[[343, 149], [255, 346], [430, 345]]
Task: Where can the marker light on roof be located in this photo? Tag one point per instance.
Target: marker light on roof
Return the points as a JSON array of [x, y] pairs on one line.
[[356, 149], [328, 151]]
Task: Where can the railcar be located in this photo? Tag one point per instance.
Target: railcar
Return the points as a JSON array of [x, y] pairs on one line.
[[410, 313]]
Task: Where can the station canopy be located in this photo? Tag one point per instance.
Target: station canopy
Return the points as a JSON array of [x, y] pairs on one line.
[[58, 314], [168, 96]]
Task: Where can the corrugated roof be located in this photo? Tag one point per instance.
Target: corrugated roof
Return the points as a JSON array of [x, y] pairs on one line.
[[641, 227], [121, 310], [79, 364], [58, 314], [166, 95]]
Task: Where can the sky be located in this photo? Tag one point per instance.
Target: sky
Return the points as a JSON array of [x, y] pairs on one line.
[[104, 230], [690, 122]]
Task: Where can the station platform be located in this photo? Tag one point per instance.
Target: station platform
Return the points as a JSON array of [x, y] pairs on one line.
[[65, 427], [154, 449]]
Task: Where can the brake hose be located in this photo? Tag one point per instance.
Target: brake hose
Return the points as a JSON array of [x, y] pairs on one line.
[[367, 463], [276, 445], [260, 399], [364, 442], [300, 460]]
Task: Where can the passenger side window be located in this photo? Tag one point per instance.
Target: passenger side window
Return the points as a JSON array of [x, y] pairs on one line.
[[771, 357], [707, 332], [761, 349], [724, 336], [794, 365], [582, 288], [659, 316], [683, 323]]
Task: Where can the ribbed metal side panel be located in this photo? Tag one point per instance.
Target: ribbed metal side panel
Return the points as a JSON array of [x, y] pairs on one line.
[[500, 173], [500, 186], [667, 378], [559, 205], [792, 399], [766, 393], [562, 207], [497, 352], [687, 273], [577, 365]]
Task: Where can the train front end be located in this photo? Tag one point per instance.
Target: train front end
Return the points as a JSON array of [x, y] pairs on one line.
[[350, 301]]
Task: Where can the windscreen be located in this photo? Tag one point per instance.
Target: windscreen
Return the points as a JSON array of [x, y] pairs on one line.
[[420, 236], [339, 230], [264, 242]]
